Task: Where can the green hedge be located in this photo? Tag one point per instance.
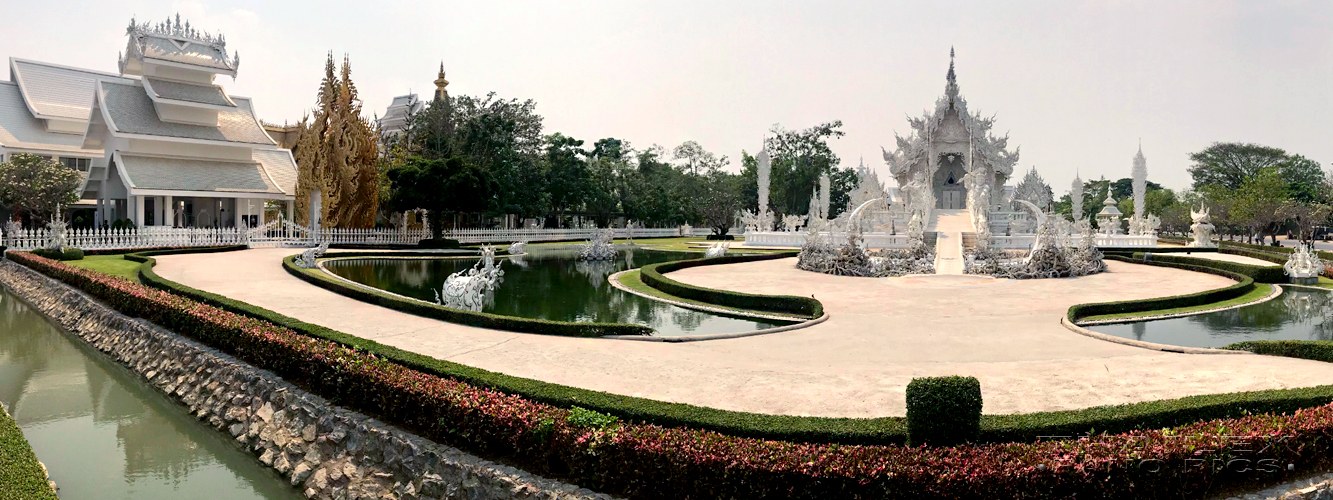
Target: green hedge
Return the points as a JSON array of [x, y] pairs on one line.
[[1261, 274], [1318, 350], [321, 279], [943, 411], [652, 275], [885, 430], [21, 476], [65, 253], [1245, 285]]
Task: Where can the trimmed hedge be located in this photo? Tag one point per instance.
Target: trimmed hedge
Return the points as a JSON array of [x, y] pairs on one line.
[[651, 462], [943, 411], [1318, 350], [1244, 285], [1261, 274], [321, 279], [652, 275], [21, 476], [65, 253]]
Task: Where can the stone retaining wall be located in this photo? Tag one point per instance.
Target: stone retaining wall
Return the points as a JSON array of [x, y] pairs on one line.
[[328, 452]]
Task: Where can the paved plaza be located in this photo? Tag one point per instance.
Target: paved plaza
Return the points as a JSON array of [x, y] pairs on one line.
[[881, 333]]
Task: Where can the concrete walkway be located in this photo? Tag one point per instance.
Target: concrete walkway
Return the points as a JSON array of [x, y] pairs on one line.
[[882, 333], [950, 226], [1226, 257]]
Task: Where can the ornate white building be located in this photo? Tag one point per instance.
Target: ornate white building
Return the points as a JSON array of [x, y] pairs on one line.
[[947, 145], [159, 143]]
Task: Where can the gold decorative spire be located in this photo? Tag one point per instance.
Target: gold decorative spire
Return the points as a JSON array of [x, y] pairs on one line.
[[440, 83]]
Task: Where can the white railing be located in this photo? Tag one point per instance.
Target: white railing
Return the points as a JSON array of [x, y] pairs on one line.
[[839, 238], [116, 239]]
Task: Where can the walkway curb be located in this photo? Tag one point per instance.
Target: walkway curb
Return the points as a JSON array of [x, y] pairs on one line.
[[614, 279], [1145, 345], [1277, 290]]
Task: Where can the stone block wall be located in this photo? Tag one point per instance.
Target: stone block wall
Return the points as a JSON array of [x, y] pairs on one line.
[[328, 452]]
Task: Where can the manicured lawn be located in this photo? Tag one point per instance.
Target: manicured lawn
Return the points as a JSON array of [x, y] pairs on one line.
[[1260, 291], [115, 265], [20, 474]]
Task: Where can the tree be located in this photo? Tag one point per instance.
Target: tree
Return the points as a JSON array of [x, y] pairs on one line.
[[337, 156], [1305, 216], [1304, 178], [1229, 164], [441, 187], [1258, 202], [602, 198], [566, 175], [695, 160], [36, 187], [799, 157], [722, 200]]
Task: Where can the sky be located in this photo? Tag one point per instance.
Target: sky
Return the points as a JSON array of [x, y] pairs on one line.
[[1076, 85]]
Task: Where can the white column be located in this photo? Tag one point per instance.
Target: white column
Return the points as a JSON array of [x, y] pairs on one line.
[[137, 210], [169, 217], [290, 206], [236, 204], [98, 213]]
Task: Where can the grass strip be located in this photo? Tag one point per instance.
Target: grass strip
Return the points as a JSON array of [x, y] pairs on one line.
[[114, 265], [653, 275], [1260, 291], [631, 279], [21, 475]]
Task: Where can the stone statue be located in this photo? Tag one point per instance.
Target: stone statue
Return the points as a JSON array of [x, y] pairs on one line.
[[518, 247], [600, 247], [1303, 266], [55, 232], [469, 289], [1202, 227], [791, 222], [717, 250], [308, 257]]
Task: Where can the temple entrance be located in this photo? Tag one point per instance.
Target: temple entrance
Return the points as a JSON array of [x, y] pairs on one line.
[[952, 199]]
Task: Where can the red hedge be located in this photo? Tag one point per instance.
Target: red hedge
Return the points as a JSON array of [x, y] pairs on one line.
[[647, 461]]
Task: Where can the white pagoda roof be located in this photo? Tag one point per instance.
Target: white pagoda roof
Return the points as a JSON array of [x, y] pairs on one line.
[[129, 111], [177, 45], [167, 173], [55, 91], [19, 129], [186, 93]]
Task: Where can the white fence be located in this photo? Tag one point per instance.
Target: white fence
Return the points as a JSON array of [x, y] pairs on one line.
[[797, 239], [283, 233]]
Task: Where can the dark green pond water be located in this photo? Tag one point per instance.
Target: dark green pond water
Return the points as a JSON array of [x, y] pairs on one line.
[[550, 283], [1295, 315], [105, 434]]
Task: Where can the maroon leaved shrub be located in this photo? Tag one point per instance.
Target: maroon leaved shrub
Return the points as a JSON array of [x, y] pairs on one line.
[[649, 461]]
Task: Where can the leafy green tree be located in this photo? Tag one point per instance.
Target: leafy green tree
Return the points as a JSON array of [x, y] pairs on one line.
[[1259, 201], [441, 187], [722, 201], [799, 157], [37, 188], [566, 175], [1229, 164], [602, 198], [1304, 178], [697, 161]]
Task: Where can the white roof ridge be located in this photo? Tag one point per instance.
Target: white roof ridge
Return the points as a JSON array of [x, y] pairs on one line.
[[72, 68]]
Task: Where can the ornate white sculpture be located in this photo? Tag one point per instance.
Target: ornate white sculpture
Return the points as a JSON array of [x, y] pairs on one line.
[[13, 229], [1202, 227], [791, 222], [55, 233], [518, 247], [308, 257], [824, 196], [1138, 223], [1051, 255], [1076, 198], [687, 230], [1108, 220], [469, 289], [1032, 188], [600, 247], [717, 250], [1303, 266]]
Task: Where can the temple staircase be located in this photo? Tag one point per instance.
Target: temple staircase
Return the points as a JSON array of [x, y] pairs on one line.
[[950, 226]]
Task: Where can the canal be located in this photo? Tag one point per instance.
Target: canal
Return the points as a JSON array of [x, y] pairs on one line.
[[104, 433]]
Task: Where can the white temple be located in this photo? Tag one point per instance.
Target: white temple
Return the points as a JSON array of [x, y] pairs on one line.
[[158, 143]]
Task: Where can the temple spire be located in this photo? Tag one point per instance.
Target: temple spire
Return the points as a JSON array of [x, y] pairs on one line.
[[440, 83], [951, 87]]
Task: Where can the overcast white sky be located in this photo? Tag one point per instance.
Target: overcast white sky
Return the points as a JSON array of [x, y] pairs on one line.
[[1075, 84]]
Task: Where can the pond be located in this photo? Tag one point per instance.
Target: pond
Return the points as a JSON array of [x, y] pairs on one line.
[[1297, 314], [104, 433], [550, 283]]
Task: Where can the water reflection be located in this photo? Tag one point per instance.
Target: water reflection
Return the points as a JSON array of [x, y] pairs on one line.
[[1298, 314], [552, 284], [105, 434]]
